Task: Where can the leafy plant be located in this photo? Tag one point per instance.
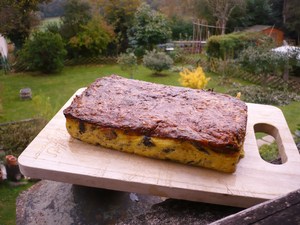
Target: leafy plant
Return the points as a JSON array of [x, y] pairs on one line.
[[93, 39], [1, 106], [261, 60], [120, 14], [44, 52], [177, 55], [181, 29], [264, 95], [149, 28], [128, 62], [76, 14], [43, 107], [193, 78], [230, 45], [18, 18], [157, 61], [14, 137], [269, 152]]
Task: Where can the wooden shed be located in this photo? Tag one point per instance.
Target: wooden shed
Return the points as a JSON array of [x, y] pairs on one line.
[[276, 34]]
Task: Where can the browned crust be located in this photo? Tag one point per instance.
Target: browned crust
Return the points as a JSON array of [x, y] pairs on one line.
[[209, 119]]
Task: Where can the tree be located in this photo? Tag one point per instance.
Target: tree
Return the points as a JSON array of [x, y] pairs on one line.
[[149, 28], [93, 39], [44, 52], [120, 14], [17, 18], [181, 29], [276, 13], [291, 14], [259, 12], [222, 9], [77, 14]]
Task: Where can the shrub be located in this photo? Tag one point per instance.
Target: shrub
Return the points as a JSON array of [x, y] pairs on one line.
[[44, 52], [53, 27], [157, 61], [230, 45], [1, 107], [263, 95], [15, 136], [181, 29], [93, 39], [177, 55], [193, 78], [261, 60], [128, 62], [269, 152]]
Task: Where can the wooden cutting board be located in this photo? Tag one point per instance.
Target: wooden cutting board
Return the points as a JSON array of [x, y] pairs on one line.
[[54, 155]]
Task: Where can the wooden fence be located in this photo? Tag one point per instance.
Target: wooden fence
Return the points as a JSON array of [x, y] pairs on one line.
[[20, 67]]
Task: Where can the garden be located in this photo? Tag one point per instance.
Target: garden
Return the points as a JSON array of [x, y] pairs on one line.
[[67, 53]]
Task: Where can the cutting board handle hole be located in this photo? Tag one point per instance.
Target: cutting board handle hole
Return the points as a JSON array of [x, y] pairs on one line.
[[268, 142]]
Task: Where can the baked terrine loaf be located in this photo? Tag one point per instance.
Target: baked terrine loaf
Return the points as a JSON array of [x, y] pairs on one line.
[[184, 125]]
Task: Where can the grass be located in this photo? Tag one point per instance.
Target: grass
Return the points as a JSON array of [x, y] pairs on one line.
[[57, 89], [291, 113], [8, 202]]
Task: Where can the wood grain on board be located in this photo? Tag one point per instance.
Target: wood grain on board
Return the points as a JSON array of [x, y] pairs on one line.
[[54, 155]]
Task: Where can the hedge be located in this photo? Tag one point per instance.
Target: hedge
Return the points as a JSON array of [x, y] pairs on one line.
[[230, 45]]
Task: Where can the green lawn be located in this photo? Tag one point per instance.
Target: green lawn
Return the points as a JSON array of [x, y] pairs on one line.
[[56, 89], [8, 202]]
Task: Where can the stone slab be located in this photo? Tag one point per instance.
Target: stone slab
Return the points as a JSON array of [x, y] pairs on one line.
[[49, 202]]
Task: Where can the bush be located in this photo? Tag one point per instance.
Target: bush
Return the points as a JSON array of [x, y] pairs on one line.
[[177, 55], [157, 61], [193, 78], [261, 60], [269, 152], [263, 95], [181, 29], [93, 39], [128, 62], [44, 52], [230, 45], [15, 136], [53, 27]]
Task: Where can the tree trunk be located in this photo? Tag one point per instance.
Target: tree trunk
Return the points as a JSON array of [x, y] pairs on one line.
[[223, 27], [286, 72]]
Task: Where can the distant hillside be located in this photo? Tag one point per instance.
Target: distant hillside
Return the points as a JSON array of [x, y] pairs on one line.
[[52, 9]]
